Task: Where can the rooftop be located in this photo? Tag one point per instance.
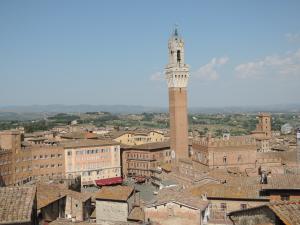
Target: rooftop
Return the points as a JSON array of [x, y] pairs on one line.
[[69, 222], [287, 211], [87, 143], [179, 196], [226, 191], [148, 146], [16, 204], [48, 193], [117, 193], [79, 135], [284, 181]]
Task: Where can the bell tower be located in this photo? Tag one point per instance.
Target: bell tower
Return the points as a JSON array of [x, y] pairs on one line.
[[177, 75]]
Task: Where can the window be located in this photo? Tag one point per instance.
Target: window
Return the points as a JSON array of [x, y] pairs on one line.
[[69, 153], [239, 158], [243, 206], [223, 206], [178, 56], [224, 159], [285, 197]]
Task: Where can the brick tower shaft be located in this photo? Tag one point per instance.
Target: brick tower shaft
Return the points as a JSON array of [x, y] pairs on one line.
[[178, 122]]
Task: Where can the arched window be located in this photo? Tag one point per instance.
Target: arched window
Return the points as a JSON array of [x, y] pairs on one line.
[[224, 159], [178, 56]]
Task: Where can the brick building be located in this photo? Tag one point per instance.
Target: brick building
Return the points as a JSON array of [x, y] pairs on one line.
[[144, 160], [263, 132], [263, 128], [48, 161], [236, 151]]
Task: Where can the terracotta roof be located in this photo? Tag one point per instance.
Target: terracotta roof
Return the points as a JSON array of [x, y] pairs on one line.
[[116, 134], [149, 146], [287, 211], [284, 181], [178, 196], [69, 222], [48, 193], [87, 143], [117, 193], [16, 204], [79, 135], [227, 191]]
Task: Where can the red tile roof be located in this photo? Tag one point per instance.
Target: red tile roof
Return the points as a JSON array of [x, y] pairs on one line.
[[16, 204]]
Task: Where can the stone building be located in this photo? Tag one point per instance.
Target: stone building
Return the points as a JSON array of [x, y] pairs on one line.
[[18, 206], [277, 213], [236, 151], [136, 137], [144, 160], [51, 204], [115, 203], [96, 161], [174, 205], [225, 198], [177, 75], [56, 201]]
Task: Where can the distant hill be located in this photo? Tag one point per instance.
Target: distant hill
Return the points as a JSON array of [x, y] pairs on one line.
[[42, 111], [81, 108]]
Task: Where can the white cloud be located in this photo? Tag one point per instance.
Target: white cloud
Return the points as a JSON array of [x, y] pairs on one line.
[[285, 65], [209, 71], [158, 76], [292, 37]]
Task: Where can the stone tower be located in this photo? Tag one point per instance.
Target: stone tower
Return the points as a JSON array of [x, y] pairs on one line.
[[177, 75]]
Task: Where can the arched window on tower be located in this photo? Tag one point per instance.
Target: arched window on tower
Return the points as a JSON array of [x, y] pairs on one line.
[[178, 56]]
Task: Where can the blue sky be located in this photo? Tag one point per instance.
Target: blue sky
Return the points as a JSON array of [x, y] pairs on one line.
[[114, 52]]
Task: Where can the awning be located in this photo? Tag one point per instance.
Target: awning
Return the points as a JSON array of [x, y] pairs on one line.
[[109, 181]]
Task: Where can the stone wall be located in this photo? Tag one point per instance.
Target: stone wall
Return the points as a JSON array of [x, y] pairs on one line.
[[111, 210], [172, 213]]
